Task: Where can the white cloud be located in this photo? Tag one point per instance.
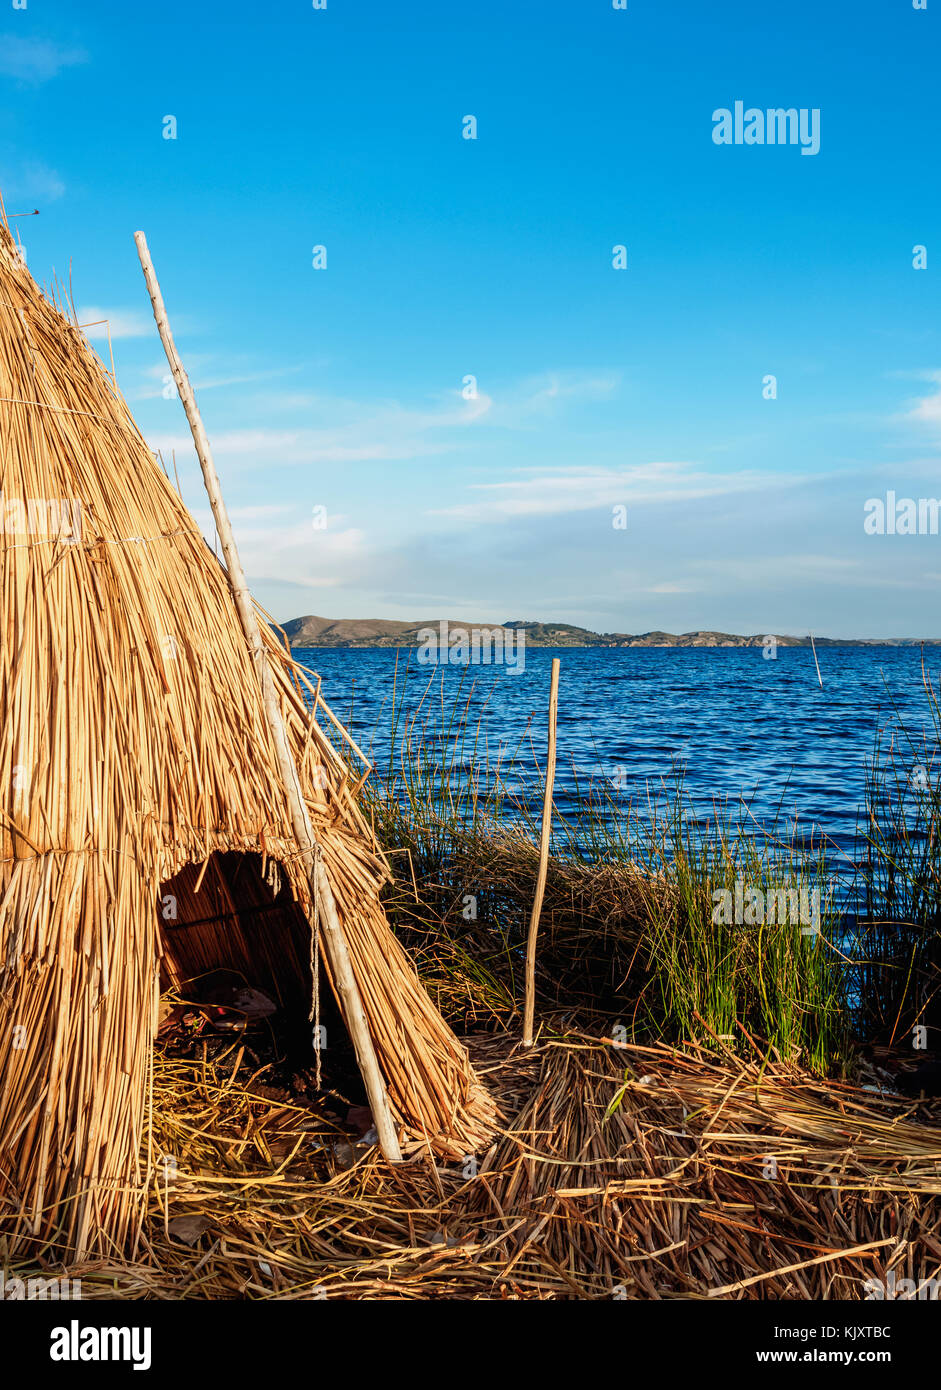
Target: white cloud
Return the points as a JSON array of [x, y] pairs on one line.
[[285, 400], [927, 409], [539, 395], [258, 513], [581, 489], [389, 433], [777, 569], [31, 181], [922, 410], [123, 323], [362, 432], [36, 60], [312, 558], [196, 362]]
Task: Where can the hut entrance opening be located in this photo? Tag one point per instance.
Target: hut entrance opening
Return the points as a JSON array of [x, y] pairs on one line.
[[237, 952]]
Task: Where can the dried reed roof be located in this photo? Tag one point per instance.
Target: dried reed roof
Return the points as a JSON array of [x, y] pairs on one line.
[[133, 743]]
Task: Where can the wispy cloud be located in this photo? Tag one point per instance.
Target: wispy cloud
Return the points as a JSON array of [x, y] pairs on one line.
[[550, 492], [821, 568], [357, 431], [539, 400], [671, 586], [926, 410], [31, 180], [391, 433], [208, 382], [370, 431], [544, 395], [275, 541], [36, 60], [123, 323]]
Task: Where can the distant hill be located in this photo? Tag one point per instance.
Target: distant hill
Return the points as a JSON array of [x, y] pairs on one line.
[[312, 631]]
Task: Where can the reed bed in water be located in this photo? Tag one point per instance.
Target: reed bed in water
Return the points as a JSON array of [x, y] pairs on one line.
[[621, 1172], [631, 914], [900, 834], [630, 919], [639, 943]]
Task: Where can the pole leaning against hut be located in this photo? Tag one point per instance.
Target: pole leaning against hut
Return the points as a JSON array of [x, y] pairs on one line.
[[334, 938]]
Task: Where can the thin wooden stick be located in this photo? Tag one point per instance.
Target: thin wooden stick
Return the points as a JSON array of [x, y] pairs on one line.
[[530, 1004], [816, 662], [334, 936]]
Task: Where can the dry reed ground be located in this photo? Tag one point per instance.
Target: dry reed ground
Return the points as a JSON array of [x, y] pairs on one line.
[[630, 1172]]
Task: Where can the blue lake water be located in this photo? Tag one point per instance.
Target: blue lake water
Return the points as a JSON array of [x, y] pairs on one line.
[[741, 728]]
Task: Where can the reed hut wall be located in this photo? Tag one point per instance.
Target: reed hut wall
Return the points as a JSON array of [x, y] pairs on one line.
[[133, 744]]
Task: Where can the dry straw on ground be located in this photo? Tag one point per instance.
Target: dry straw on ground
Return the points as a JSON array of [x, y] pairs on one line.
[[638, 1173]]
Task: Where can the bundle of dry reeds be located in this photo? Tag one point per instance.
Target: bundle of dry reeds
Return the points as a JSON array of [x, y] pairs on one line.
[[133, 743], [651, 1172]]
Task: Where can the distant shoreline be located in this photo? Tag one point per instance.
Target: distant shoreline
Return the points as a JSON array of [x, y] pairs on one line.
[[351, 633]]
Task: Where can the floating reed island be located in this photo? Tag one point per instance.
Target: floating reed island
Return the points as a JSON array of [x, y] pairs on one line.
[[696, 1117]]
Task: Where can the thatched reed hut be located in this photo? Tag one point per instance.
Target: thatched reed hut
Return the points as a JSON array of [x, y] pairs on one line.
[[136, 765]]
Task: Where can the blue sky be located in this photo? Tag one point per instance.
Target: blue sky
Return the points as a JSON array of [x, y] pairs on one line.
[[342, 388]]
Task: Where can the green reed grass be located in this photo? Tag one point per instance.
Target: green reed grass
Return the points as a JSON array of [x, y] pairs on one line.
[[629, 919], [783, 982], [899, 934]]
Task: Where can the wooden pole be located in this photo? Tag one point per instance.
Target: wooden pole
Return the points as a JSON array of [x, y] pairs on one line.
[[816, 662], [530, 1002], [334, 936]]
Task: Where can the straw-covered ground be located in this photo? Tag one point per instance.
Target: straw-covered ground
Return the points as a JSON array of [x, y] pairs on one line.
[[620, 1172]]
